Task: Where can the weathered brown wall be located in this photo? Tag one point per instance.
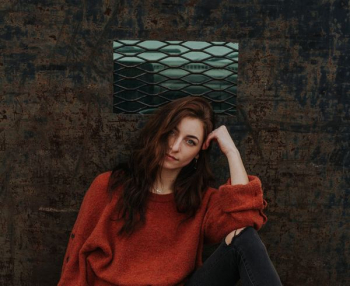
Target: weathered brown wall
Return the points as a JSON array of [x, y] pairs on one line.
[[57, 131]]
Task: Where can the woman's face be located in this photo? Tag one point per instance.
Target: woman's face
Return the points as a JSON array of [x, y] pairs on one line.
[[184, 143]]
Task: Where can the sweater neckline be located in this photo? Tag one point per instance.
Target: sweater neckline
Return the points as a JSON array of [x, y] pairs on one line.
[[161, 198]]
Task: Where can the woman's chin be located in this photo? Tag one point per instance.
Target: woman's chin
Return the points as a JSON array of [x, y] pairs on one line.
[[170, 167]]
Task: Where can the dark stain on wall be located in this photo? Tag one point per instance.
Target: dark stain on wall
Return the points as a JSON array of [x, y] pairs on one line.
[[57, 129]]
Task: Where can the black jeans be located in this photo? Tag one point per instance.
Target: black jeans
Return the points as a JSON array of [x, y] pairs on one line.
[[244, 258]]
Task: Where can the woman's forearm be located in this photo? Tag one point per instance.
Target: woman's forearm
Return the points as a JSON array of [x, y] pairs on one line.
[[237, 171]]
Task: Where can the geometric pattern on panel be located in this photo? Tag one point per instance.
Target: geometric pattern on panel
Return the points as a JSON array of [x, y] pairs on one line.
[[149, 74]]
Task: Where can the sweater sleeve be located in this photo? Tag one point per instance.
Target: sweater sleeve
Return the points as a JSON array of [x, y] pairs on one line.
[[232, 207], [74, 268]]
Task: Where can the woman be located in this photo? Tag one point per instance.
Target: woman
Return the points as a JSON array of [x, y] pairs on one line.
[[145, 222]]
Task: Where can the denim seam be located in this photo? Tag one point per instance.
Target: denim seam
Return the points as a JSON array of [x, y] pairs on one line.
[[250, 276], [214, 262]]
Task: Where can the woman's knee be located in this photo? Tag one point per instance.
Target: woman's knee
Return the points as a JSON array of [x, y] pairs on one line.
[[249, 240], [232, 235], [246, 236]]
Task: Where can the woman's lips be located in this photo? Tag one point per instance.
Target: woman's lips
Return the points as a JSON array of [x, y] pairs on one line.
[[171, 158]]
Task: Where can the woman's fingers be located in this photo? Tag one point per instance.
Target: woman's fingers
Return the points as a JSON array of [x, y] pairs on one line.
[[223, 137], [207, 141]]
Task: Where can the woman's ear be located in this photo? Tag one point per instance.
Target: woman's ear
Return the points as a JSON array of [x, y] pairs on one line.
[[205, 146]]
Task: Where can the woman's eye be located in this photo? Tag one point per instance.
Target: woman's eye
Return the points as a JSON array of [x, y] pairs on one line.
[[191, 142]]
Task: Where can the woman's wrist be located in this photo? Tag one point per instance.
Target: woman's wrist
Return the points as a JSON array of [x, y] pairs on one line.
[[238, 173], [232, 153]]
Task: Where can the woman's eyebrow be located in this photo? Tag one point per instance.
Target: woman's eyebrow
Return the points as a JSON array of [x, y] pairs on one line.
[[190, 136]]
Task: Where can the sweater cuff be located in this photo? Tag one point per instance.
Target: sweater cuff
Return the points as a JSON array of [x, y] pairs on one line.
[[250, 178], [241, 197]]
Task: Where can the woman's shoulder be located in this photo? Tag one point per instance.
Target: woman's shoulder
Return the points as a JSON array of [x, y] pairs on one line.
[[98, 190], [103, 178], [95, 201], [208, 194]]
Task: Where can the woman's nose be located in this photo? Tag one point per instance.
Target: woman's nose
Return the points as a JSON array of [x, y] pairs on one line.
[[175, 144]]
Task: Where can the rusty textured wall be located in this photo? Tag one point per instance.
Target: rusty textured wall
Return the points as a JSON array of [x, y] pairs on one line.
[[57, 131]]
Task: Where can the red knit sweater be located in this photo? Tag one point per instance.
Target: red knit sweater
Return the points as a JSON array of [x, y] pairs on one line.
[[159, 253]]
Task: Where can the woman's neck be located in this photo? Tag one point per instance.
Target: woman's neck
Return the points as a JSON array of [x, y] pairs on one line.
[[165, 182]]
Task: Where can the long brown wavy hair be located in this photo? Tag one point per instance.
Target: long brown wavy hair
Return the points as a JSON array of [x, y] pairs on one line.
[[138, 175]]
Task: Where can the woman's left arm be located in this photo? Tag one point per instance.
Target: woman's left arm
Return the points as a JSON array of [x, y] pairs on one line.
[[227, 146], [238, 176]]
